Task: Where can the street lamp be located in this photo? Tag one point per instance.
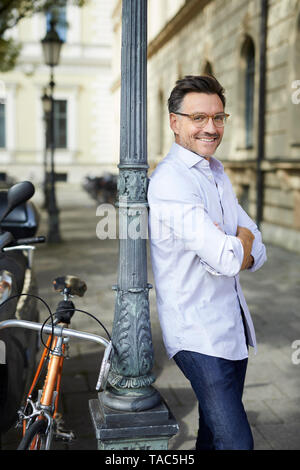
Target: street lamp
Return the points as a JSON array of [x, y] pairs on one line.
[[51, 45]]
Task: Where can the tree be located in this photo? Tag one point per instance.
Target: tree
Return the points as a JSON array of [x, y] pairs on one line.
[[13, 11]]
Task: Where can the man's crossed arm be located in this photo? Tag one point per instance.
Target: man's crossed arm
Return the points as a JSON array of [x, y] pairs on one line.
[[246, 237]]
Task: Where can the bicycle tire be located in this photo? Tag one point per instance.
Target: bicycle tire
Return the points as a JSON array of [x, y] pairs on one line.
[[38, 428]]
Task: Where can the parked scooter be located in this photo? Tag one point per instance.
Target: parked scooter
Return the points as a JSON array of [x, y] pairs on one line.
[[103, 189], [18, 226]]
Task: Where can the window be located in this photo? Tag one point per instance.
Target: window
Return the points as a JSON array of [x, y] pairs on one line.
[[60, 123], [2, 126], [298, 36], [59, 14], [245, 117], [249, 60], [294, 91]]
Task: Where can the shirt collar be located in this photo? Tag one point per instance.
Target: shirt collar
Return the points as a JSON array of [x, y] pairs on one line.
[[191, 159]]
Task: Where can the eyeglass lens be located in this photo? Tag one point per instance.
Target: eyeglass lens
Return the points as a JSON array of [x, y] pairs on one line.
[[202, 119]]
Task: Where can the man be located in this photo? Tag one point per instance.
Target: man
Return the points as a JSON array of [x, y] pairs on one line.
[[200, 239]]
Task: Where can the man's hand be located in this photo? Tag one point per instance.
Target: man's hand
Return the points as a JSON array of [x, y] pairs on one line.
[[247, 238], [250, 262]]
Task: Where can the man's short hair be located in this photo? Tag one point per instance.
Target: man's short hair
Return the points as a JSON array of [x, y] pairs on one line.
[[194, 83]]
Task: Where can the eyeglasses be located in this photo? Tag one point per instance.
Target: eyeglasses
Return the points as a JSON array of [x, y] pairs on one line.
[[201, 119]]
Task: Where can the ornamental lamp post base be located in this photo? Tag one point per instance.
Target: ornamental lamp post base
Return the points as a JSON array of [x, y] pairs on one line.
[[128, 430], [132, 400]]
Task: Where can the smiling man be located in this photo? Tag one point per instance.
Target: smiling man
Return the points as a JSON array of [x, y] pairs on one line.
[[199, 133], [200, 240]]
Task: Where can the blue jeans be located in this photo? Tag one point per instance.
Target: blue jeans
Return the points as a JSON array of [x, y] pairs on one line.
[[218, 384]]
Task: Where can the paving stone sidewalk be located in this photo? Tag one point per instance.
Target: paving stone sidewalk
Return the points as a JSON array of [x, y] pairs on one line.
[[272, 389]]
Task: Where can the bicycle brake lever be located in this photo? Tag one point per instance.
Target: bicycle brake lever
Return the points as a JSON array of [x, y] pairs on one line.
[[105, 367]]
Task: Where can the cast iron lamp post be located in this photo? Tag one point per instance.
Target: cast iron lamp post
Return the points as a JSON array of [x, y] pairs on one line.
[[51, 45], [131, 378], [130, 413]]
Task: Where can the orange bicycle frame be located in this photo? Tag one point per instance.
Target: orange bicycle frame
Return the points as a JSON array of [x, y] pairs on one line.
[[53, 377]]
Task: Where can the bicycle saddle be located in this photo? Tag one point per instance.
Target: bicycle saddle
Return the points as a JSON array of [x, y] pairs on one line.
[[73, 284]]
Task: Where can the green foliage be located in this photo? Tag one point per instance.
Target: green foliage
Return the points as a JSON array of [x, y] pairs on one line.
[[9, 52], [13, 11]]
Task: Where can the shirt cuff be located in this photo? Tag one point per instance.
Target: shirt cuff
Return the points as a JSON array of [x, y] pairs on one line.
[[237, 248]]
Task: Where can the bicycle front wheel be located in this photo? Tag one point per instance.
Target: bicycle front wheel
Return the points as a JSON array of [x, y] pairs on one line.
[[35, 436]]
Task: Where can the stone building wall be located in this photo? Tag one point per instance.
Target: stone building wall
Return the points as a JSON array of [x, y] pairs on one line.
[[217, 35]]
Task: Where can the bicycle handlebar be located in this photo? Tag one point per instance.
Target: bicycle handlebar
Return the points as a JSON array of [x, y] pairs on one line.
[[68, 333], [56, 330]]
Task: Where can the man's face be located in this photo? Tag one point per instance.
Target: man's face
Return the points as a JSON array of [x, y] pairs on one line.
[[202, 141]]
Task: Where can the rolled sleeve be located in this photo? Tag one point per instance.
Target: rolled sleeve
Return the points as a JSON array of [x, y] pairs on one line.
[[221, 254], [230, 267], [258, 248]]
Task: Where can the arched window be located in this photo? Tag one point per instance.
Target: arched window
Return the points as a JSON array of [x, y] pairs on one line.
[[248, 57], [294, 91], [298, 35]]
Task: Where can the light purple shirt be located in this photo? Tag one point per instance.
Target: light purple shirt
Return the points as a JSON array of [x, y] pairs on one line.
[[195, 268]]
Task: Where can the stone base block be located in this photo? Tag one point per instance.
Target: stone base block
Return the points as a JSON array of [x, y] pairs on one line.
[[124, 430]]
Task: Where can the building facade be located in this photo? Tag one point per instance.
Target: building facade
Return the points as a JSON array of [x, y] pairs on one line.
[[83, 107], [253, 48]]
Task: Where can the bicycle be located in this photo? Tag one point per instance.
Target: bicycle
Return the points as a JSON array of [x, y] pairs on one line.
[[39, 418]]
